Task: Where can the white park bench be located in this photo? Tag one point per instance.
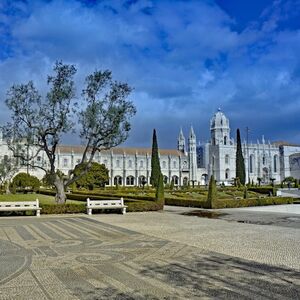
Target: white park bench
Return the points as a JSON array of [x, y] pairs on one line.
[[105, 204], [21, 206]]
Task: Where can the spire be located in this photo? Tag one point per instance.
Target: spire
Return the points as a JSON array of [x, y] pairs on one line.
[[192, 133], [181, 136], [181, 141]]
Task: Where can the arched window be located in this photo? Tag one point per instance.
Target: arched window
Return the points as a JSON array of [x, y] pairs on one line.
[[226, 159], [165, 179], [130, 164], [225, 140], [264, 160], [129, 180], [118, 180], [227, 174], [275, 163], [251, 163], [175, 179], [142, 180], [141, 164]]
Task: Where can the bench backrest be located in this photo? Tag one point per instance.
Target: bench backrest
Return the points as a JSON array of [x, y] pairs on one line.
[[20, 204], [105, 203]]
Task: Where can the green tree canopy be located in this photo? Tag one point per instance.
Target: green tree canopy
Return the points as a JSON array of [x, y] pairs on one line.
[[24, 180], [96, 176]]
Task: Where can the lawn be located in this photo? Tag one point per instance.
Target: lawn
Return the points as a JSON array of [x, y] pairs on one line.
[[43, 199]]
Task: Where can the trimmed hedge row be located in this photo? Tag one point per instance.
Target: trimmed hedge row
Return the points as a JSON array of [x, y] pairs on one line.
[[250, 202], [184, 202], [133, 205], [261, 189]]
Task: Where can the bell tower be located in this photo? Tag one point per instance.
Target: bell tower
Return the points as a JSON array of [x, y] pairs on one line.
[[219, 129]]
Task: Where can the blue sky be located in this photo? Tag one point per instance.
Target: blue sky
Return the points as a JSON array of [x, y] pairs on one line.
[[183, 58]]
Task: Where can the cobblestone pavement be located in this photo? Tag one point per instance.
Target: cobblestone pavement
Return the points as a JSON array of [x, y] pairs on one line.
[[146, 256]]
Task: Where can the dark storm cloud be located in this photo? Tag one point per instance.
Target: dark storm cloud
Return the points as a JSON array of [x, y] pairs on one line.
[[184, 59]]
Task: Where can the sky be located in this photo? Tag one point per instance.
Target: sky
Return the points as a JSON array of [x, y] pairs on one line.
[[184, 59]]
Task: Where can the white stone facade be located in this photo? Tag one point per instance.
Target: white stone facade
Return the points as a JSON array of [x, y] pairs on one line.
[[132, 166]]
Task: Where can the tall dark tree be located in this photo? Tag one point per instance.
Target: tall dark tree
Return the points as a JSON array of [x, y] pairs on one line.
[[160, 192], [239, 160], [155, 165], [38, 123], [212, 193]]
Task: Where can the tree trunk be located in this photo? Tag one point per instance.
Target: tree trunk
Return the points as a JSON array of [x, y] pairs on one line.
[[7, 190], [60, 196]]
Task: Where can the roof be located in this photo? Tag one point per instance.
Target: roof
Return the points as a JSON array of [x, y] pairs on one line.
[[284, 143], [76, 149]]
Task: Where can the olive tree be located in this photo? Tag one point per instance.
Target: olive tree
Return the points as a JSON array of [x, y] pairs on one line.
[[8, 168], [101, 115]]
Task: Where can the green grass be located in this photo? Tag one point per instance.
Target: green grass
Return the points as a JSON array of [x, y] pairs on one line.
[[43, 199]]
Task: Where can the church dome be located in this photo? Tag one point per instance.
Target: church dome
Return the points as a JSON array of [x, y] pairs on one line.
[[219, 120]]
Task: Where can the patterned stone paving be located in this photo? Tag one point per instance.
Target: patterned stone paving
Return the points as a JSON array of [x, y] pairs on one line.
[[82, 258]]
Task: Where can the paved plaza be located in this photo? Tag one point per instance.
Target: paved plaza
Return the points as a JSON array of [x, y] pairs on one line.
[[153, 255]]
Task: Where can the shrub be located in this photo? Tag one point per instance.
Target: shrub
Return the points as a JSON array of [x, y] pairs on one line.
[[160, 193], [212, 192], [24, 180], [231, 203]]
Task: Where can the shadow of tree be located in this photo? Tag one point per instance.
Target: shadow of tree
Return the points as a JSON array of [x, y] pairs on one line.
[[223, 277]]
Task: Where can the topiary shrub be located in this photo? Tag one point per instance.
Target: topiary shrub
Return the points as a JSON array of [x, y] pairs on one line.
[[160, 193], [212, 193]]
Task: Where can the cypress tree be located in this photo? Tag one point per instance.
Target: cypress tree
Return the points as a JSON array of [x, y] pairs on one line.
[[160, 192], [155, 165], [240, 164], [212, 192]]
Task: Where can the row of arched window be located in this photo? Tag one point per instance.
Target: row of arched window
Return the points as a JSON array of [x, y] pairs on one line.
[[141, 164], [131, 180]]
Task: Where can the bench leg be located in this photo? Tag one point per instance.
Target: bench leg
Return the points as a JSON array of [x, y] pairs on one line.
[[89, 211], [38, 213], [124, 210]]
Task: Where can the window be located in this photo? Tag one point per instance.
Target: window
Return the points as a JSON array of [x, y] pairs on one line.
[[130, 180], [118, 163], [164, 165], [264, 160], [118, 180], [175, 179], [275, 163], [174, 164], [226, 159], [225, 140], [251, 163], [39, 159], [105, 162], [141, 164], [227, 174], [130, 164], [65, 162]]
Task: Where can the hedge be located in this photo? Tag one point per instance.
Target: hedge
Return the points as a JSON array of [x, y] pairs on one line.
[[184, 202], [262, 189], [230, 203], [133, 205]]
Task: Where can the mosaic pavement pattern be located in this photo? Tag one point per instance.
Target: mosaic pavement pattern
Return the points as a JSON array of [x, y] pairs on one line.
[[81, 258]]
